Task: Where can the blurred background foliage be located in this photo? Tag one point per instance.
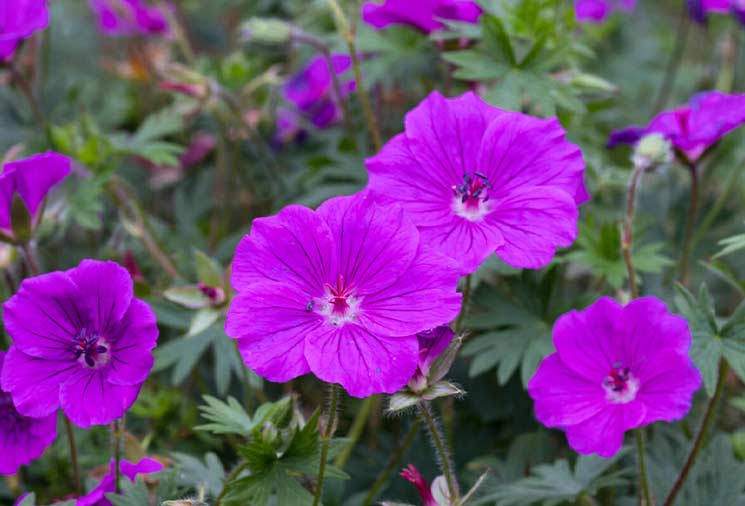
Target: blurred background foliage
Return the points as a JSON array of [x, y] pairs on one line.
[[136, 198]]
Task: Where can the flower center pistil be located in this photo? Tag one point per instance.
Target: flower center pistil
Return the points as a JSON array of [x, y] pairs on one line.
[[91, 349], [620, 384], [338, 305], [471, 196]]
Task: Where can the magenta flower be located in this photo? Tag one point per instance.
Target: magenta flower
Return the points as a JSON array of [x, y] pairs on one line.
[[81, 342], [340, 292], [616, 368], [478, 180], [97, 496], [426, 15], [692, 128], [700, 9], [312, 91], [30, 178], [129, 17], [22, 439], [19, 19], [597, 11], [431, 345], [413, 476]]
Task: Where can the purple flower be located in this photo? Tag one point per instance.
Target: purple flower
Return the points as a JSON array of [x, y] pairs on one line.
[[97, 496], [692, 128], [616, 368], [340, 292], [426, 15], [597, 11], [81, 342], [18, 20], [312, 92], [22, 439], [431, 345], [31, 178], [700, 9], [478, 180], [129, 17]]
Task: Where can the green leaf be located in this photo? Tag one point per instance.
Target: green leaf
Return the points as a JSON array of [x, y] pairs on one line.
[[132, 493], [401, 401], [20, 219], [226, 417], [496, 40], [187, 296], [209, 271], [196, 474]]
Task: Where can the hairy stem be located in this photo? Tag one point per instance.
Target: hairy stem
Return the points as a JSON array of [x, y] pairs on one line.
[[690, 226], [328, 433], [628, 239], [348, 35], [73, 456], [641, 458], [441, 448], [706, 423], [355, 432], [393, 463]]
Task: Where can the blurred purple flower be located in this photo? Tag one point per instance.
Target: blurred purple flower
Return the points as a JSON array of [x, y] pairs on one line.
[[19, 19], [31, 178], [21, 498], [97, 496], [81, 341], [700, 9], [426, 15], [692, 128], [479, 180], [22, 439], [616, 368], [312, 93], [129, 17], [597, 11], [340, 292], [431, 344]]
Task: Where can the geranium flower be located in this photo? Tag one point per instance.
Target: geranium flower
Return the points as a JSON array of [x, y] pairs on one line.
[[22, 439], [692, 128], [97, 496], [129, 17], [81, 342], [597, 11], [431, 345], [340, 292], [30, 178], [19, 19], [700, 9], [478, 180], [312, 91], [616, 368], [426, 15]]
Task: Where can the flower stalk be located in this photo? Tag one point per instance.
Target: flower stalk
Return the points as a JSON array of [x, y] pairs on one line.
[[328, 433], [628, 238], [464, 306], [690, 225], [116, 443], [73, 456], [644, 482], [441, 448], [355, 432]]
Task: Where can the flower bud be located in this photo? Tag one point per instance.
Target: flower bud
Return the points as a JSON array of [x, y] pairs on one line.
[[652, 151], [267, 30]]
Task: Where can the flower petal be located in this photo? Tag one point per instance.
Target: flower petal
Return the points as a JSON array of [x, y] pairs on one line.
[[603, 433], [88, 399], [668, 382], [132, 343], [106, 288], [271, 322], [363, 363], [294, 247]]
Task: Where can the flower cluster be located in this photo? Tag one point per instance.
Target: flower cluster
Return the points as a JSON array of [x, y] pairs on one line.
[[130, 17], [615, 368]]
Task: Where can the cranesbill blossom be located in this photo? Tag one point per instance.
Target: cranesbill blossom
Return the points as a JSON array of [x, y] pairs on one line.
[[22, 439], [97, 496], [19, 19], [431, 345], [30, 178], [700, 9], [694, 127], [615, 368], [425, 15], [81, 341], [436, 495], [340, 292], [478, 180], [597, 11], [312, 91], [129, 17]]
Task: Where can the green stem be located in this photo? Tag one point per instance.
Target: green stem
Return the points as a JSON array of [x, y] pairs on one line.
[[643, 481], [708, 220], [393, 463], [676, 56], [73, 456], [706, 423], [231, 477], [690, 226], [348, 35], [628, 239], [355, 432], [116, 433], [30, 257], [464, 305], [443, 454], [325, 440]]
